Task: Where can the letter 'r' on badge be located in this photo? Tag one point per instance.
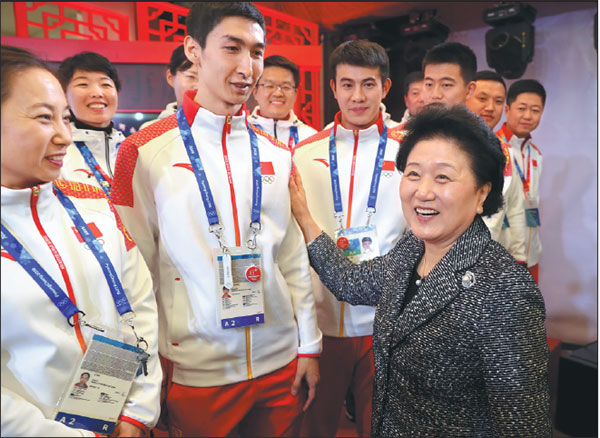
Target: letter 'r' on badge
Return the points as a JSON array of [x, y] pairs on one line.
[[342, 243]]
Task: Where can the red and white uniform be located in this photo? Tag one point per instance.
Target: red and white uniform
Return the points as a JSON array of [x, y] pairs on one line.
[[103, 147], [523, 242], [280, 129], [158, 197], [356, 151], [40, 350]]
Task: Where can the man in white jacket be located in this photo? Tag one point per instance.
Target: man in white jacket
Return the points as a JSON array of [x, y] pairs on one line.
[[205, 196], [354, 158], [276, 94], [524, 107]]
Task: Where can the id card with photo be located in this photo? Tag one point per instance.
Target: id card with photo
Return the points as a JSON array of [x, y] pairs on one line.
[[359, 243], [240, 294], [97, 391], [532, 213]]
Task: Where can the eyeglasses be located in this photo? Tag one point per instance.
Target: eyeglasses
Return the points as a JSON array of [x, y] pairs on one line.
[[270, 88]]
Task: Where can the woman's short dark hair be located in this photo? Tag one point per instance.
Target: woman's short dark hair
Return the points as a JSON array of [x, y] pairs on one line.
[[14, 60], [87, 61], [179, 61], [361, 53], [471, 134], [283, 62], [205, 16]]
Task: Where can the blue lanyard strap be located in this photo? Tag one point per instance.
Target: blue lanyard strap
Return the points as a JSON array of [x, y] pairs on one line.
[[203, 185], [335, 177], [116, 289], [294, 134], [41, 277], [93, 165]]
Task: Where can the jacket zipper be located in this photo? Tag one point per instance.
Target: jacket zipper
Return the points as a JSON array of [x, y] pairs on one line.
[[227, 130], [107, 151]]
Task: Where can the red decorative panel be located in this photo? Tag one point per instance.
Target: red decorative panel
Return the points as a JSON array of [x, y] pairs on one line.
[[307, 105], [70, 20], [285, 29], [160, 21]]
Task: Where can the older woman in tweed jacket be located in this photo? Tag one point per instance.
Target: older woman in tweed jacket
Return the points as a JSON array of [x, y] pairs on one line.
[[459, 340]]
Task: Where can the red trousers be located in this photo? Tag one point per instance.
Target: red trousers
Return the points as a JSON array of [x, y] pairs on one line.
[[263, 406], [344, 363]]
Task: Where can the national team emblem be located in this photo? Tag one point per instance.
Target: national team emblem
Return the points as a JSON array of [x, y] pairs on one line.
[[388, 169], [268, 172]]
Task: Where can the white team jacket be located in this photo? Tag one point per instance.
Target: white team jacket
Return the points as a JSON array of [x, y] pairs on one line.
[[158, 197], [102, 146], [311, 159], [523, 242], [170, 109], [280, 129], [39, 348]]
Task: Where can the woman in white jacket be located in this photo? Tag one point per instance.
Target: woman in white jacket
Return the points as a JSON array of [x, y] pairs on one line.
[[48, 251]]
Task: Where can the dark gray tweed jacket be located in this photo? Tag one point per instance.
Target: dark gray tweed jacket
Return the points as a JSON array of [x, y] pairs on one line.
[[468, 356]]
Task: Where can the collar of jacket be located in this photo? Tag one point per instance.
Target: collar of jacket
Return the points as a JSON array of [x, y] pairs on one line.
[[444, 282], [266, 122], [82, 125], [337, 125], [19, 199], [196, 114]]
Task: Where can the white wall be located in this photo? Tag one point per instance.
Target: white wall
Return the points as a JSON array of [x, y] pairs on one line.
[[565, 62]]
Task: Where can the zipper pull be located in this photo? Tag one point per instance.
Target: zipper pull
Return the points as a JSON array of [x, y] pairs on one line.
[[355, 133], [228, 124]]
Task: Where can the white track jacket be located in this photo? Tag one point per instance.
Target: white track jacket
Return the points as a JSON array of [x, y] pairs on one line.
[[39, 348], [102, 146], [280, 129], [158, 197], [311, 159]]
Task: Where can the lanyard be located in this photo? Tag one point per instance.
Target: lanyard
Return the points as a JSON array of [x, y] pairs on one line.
[[335, 177], [103, 179], [293, 140], [205, 192], [41, 277], [526, 181]]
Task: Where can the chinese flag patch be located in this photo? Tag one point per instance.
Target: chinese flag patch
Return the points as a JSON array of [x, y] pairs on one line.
[[266, 168], [389, 166], [93, 228]]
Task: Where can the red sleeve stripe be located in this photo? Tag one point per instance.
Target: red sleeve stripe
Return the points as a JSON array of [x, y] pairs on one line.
[[309, 355]]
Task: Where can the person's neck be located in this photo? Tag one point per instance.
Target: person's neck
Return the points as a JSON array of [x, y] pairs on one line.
[[82, 125], [352, 127], [220, 108], [433, 254]]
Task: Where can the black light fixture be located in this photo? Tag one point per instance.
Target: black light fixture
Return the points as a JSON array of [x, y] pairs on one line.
[[510, 43], [420, 34]]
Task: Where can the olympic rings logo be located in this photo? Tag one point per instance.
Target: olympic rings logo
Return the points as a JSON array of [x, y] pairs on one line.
[[388, 174], [268, 179]]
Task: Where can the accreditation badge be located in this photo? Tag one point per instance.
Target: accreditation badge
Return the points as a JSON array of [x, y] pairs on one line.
[[532, 213], [97, 391], [240, 294], [358, 243]]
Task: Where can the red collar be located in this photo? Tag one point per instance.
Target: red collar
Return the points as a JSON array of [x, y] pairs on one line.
[[338, 121], [507, 133], [191, 107]]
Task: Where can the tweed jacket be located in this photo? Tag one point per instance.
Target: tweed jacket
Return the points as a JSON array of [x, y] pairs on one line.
[[468, 356]]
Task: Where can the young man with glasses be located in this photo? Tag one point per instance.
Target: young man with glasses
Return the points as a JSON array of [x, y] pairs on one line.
[[276, 94]]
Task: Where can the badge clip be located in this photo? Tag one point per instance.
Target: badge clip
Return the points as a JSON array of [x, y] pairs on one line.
[[339, 216], [370, 212], [255, 227]]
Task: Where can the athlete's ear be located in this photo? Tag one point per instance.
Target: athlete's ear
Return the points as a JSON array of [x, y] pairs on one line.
[[192, 50]]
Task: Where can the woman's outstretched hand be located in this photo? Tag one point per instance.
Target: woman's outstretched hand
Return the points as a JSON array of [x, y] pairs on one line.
[[300, 210]]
